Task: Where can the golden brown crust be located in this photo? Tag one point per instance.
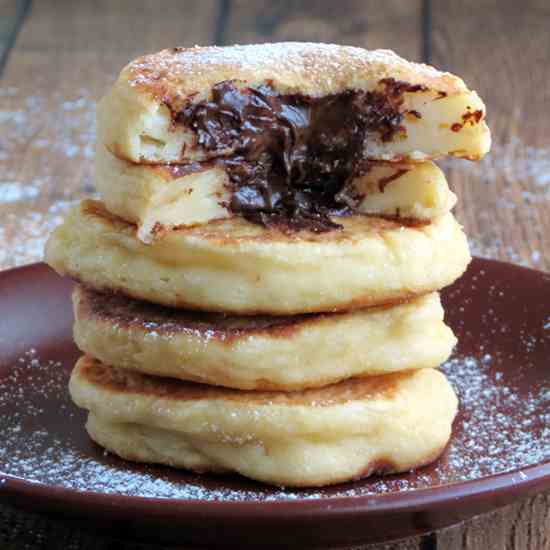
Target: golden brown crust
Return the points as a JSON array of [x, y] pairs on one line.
[[368, 262], [118, 380], [142, 118], [117, 309], [173, 75], [240, 230], [283, 353], [368, 300]]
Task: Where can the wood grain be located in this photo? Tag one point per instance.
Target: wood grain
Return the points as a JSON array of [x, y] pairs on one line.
[[68, 52], [66, 55], [394, 24], [501, 50], [12, 16], [508, 529], [522, 526]]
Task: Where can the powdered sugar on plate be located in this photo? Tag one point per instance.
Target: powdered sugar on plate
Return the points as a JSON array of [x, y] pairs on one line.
[[46, 160], [498, 430], [501, 316]]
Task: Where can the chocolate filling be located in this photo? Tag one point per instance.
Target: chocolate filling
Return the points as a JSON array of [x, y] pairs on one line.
[[291, 158]]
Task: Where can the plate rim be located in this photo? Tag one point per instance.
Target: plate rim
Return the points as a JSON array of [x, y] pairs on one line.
[[408, 500], [536, 478]]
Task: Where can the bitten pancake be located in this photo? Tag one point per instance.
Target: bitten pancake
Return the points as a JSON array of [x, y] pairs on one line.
[[159, 197], [238, 267], [275, 353], [408, 191], [410, 110], [345, 431]]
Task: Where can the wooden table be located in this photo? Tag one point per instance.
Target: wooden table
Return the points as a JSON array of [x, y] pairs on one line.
[[58, 56]]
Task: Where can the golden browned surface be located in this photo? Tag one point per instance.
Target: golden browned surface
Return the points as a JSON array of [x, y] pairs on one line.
[[132, 315], [234, 266], [260, 353], [306, 439], [123, 381], [307, 68]]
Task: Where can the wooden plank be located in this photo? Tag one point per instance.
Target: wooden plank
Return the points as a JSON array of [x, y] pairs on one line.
[[87, 43], [504, 529], [522, 526], [46, 129], [11, 14], [501, 50], [394, 24], [66, 55], [8, 16]]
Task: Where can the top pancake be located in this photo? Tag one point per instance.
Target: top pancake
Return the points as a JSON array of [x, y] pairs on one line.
[[313, 69], [136, 119]]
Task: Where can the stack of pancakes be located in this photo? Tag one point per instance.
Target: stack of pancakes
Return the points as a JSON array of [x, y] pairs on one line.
[[258, 289]]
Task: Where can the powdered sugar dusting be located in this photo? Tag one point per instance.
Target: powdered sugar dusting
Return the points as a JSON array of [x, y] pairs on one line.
[[27, 233], [521, 173], [55, 124], [13, 191], [312, 67], [513, 161], [498, 430], [46, 159]]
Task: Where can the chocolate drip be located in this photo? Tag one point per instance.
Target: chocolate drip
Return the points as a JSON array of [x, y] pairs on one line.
[[291, 158]]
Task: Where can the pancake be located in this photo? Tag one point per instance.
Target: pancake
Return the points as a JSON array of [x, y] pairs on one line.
[[234, 266], [158, 198], [408, 191], [407, 111], [345, 431], [270, 353]]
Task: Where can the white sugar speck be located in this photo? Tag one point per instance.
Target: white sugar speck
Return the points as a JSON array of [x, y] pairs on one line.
[[50, 132], [13, 191], [535, 256], [498, 430]]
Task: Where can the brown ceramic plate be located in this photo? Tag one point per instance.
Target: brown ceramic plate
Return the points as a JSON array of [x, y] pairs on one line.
[[499, 452]]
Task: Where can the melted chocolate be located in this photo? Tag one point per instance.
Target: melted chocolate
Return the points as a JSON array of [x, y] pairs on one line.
[[181, 170], [291, 158]]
